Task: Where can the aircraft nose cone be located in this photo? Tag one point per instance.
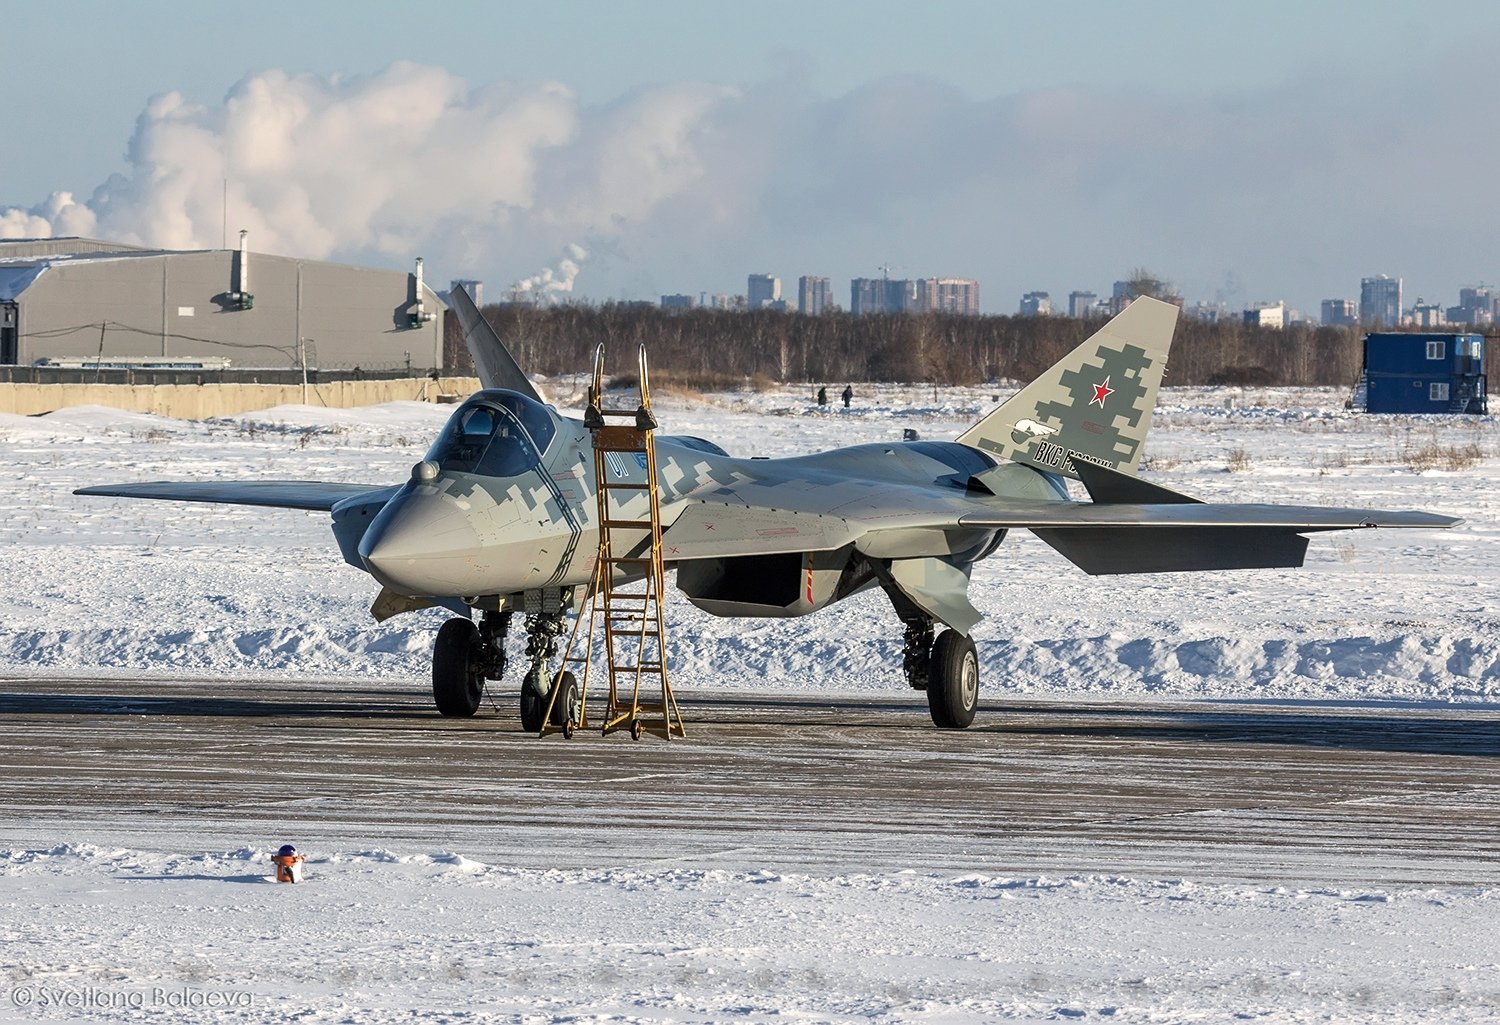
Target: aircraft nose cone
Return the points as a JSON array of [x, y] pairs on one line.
[[422, 545]]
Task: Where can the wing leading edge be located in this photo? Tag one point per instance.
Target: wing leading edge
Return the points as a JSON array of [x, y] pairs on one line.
[[277, 494]]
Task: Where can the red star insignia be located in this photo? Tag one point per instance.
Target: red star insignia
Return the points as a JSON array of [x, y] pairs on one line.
[[1101, 392]]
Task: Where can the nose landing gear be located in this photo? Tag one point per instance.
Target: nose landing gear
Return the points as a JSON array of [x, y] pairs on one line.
[[542, 631]]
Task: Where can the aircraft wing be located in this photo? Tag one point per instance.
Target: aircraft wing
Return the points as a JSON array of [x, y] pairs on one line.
[[1180, 538], [1170, 533], [1298, 518], [280, 494]]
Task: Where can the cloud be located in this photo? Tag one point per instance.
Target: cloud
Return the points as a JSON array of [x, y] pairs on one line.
[[59, 215], [386, 166], [1295, 191]]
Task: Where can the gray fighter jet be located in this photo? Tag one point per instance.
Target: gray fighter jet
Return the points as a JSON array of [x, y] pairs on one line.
[[501, 516]]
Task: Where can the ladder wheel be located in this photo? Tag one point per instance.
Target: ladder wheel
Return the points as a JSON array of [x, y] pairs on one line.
[[636, 730]]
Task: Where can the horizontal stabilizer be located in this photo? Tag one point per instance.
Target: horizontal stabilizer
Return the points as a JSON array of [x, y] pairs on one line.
[[1113, 550], [279, 494]]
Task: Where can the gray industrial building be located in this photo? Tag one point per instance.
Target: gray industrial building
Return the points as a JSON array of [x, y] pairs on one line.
[[254, 309]]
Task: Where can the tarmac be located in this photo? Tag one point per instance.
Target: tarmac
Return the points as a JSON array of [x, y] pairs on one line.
[[1320, 794]]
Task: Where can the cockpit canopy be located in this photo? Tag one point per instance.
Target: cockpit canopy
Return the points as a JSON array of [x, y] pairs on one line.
[[496, 434]]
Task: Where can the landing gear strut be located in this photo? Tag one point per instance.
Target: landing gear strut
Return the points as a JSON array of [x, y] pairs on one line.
[[464, 656], [542, 631], [916, 654]]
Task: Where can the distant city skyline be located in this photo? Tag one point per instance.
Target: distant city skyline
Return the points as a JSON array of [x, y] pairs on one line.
[[640, 149], [1380, 302]]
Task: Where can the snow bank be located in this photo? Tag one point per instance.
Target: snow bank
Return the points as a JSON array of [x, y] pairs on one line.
[[373, 936]]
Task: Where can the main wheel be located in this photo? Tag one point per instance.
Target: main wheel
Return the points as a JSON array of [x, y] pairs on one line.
[[953, 683], [457, 681], [565, 708], [533, 705]]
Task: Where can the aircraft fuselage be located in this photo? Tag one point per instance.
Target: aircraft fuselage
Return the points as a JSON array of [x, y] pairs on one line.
[[455, 531]]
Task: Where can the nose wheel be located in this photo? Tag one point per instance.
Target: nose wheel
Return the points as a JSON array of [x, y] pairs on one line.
[[533, 703]]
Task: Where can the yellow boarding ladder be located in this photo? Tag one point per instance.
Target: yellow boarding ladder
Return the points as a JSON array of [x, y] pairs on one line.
[[625, 597]]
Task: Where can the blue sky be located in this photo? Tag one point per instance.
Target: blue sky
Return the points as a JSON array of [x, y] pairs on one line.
[[1234, 148]]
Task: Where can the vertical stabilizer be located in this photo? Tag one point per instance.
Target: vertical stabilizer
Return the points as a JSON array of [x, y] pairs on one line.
[[492, 360], [1093, 405]]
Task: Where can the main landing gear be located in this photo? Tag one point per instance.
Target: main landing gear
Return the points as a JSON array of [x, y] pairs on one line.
[[464, 656], [946, 668], [468, 654]]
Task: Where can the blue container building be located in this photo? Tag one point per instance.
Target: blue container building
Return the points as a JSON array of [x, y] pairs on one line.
[[1424, 373]]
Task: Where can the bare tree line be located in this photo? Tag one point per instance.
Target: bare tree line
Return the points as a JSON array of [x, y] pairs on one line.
[[724, 348]]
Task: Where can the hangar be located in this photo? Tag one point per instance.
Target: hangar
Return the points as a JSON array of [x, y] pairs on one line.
[[62, 299]]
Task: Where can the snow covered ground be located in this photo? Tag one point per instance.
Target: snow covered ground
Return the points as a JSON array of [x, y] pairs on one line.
[[373, 936], [105, 586], [1408, 615]]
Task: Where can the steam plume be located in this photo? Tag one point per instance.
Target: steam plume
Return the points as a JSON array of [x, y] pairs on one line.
[[548, 284]]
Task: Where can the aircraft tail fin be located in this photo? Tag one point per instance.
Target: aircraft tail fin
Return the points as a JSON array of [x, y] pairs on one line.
[[494, 364], [1094, 405]]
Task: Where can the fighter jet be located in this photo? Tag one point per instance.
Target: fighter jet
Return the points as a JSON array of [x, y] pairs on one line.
[[501, 516]]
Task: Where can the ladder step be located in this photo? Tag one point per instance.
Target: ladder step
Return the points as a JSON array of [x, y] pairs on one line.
[[629, 524], [644, 666], [626, 487]]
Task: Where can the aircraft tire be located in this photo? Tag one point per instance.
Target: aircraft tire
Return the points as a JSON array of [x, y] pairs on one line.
[[457, 682], [565, 708], [533, 706], [953, 683]]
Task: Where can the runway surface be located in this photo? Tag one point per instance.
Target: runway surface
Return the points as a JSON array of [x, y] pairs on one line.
[[1209, 791]]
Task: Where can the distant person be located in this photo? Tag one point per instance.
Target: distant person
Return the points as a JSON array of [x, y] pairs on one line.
[[848, 395], [823, 396]]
